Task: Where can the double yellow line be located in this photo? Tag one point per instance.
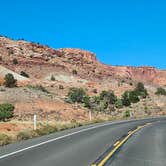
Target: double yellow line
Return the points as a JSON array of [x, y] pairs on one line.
[[117, 145]]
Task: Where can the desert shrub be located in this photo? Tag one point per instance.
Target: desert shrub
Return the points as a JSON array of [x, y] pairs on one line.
[[133, 97], [108, 96], [130, 97], [131, 84], [6, 111], [38, 87], [62, 127], [74, 123], [5, 139], [52, 78], [15, 61], [23, 73], [160, 91], [10, 81], [61, 87], [97, 120], [140, 90], [118, 103], [87, 102], [41, 88], [76, 95], [10, 51], [126, 98], [25, 134], [94, 90], [103, 105], [47, 129], [74, 72], [126, 114], [94, 102]]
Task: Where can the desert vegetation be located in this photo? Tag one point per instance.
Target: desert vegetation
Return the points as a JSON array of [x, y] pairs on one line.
[[38, 88], [15, 61], [6, 111], [10, 81], [44, 129], [52, 78], [106, 101], [23, 73], [160, 91], [107, 91]]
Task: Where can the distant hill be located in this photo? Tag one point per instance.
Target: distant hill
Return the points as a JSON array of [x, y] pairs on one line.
[[71, 67]]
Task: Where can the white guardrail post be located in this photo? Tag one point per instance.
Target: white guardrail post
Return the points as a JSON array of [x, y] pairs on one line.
[[34, 121]]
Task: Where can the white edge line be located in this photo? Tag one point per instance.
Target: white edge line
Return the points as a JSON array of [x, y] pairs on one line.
[[52, 140], [67, 135]]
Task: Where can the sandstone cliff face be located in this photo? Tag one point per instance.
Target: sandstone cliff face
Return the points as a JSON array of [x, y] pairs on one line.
[[41, 62], [149, 75], [78, 55], [34, 58]]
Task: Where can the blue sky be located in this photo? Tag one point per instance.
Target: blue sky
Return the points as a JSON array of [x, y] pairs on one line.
[[120, 32]]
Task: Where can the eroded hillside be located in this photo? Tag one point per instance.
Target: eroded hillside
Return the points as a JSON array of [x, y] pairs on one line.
[[69, 68]]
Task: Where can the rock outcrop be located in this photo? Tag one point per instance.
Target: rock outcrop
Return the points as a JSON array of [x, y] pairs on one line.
[[43, 59]]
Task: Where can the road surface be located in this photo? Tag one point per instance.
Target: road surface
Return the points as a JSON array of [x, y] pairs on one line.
[[81, 146], [146, 148]]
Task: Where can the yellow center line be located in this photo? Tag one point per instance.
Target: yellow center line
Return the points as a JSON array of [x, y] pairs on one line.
[[118, 144]]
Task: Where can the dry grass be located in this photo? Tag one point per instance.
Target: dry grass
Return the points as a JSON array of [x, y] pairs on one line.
[[25, 130], [5, 139]]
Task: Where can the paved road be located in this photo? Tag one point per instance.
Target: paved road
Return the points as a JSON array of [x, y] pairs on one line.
[[81, 146], [146, 148]]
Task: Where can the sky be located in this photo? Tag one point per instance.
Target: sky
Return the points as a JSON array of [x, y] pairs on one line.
[[119, 32]]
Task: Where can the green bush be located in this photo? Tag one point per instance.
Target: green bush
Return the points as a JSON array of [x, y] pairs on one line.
[[74, 72], [97, 103], [23, 73], [52, 78], [126, 114], [76, 95], [87, 102], [6, 111], [5, 139], [61, 87], [94, 102], [160, 91], [140, 90], [103, 105], [133, 97], [15, 61], [108, 96], [10, 82], [126, 98], [118, 103]]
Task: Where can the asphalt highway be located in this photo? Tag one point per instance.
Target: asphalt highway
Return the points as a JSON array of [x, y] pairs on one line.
[[81, 146], [146, 148]]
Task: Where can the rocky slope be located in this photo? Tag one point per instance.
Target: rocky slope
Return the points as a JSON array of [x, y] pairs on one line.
[[70, 68], [39, 60]]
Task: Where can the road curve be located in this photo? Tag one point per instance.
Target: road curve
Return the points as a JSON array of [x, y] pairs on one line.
[[78, 147], [146, 148]]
